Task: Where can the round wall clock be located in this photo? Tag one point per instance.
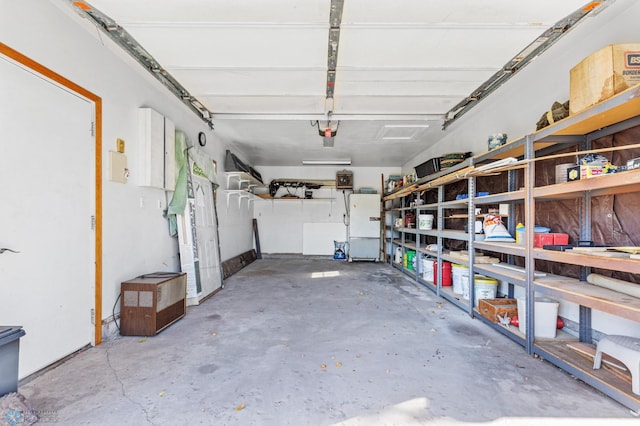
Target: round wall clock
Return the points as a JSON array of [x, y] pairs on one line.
[[202, 139]]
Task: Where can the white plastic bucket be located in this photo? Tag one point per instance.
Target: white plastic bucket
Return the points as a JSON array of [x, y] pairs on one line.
[[427, 269], [485, 288], [457, 271], [546, 317], [464, 281], [425, 221]]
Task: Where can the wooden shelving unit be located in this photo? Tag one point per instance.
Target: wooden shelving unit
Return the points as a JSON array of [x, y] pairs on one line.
[[611, 116]]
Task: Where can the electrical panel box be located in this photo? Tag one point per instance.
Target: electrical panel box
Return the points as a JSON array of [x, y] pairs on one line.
[[344, 180], [151, 302]]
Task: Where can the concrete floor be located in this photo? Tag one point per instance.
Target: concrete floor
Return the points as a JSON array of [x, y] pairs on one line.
[[308, 341]]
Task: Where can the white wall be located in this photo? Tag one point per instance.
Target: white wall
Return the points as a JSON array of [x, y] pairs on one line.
[[517, 106], [282, 222], [135, 234]]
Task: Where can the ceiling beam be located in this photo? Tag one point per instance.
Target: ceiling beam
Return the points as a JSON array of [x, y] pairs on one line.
[[341, 117], [335, 19]]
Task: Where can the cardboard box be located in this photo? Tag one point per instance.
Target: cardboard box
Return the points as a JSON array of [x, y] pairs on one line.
[[491, 308], [583, 172], [552, 238], [602, 74]]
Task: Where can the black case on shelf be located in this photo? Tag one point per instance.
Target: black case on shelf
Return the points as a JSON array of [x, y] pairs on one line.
[[428, 167]]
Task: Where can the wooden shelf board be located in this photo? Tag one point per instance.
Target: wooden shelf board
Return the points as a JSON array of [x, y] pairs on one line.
[[604, 379], [616, 183], [429, 207], [455, 204], [447, 293], [511, 332], [618, 108], [462, 256], [454, 235], [589, 295], [562, 337], [427, 283], [506, 248], [410, 245], [501, 197], [412, 231], [584, 259], [463, 216], [502, 274], [453, 259]]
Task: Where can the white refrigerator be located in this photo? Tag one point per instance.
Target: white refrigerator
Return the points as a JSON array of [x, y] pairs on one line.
[[364, 227]]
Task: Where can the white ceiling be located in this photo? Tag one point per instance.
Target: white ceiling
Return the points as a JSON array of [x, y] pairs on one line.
[[261, 67]]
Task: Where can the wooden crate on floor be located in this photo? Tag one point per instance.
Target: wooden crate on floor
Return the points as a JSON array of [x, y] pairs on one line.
[[491, 308]]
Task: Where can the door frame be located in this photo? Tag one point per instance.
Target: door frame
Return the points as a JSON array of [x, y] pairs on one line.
[[97, 102]]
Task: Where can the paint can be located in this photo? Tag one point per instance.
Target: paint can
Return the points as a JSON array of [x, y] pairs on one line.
[[457, 271], [484, 288], [446, 273], [425, 221], [427, 268]]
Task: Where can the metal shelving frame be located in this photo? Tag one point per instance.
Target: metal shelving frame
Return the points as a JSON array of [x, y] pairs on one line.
[[616, 114], [581, 129]]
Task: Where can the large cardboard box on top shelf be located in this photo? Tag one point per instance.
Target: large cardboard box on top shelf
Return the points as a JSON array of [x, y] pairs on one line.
[[602, 74]]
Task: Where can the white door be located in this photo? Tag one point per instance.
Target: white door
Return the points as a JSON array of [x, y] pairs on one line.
[[198, 238], [207, 230], [47, 198]]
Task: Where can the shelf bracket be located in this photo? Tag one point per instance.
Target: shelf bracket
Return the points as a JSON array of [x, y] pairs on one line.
[[229, 176], [241, 194]]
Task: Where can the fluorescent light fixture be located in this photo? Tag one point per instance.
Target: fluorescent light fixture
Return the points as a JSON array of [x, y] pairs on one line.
[[326, 162]]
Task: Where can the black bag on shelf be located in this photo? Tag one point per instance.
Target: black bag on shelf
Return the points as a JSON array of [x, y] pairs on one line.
[[253, 172], [233, 164]]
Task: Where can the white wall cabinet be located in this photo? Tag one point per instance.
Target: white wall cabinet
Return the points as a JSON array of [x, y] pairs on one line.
[[156, 150]]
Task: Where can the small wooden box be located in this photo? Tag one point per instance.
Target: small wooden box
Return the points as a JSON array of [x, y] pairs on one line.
[[491, 308]]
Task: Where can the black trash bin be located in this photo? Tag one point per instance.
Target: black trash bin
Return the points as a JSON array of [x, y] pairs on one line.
[[9, 354]]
